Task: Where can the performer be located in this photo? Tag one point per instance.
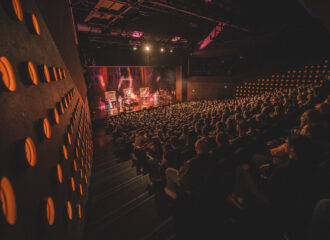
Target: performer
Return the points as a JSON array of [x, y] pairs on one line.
[[120, 99]]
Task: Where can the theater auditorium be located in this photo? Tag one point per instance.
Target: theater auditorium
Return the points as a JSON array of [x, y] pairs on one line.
[[164, 119]]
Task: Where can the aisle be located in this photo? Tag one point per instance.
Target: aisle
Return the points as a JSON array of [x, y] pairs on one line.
[[119, 206]]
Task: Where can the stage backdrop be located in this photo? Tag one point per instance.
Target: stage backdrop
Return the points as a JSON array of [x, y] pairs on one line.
[[128, 79]]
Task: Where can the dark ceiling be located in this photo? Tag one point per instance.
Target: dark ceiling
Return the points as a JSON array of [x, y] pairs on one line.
[[182, 25], [177, 23]]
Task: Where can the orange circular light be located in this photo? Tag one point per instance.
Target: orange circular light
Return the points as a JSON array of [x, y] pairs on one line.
[[81, 189], [54, 73], [75, 166], [65, 102], [64, 73], [17, 9], [60, 73], [86, 181], [68, 137], [32, 73], [50, 207], [78, 142], [79, 211], [73, 185], [77, 153], [46, 127], [7, 74], [71, 128], [81, 174], [46, 74], [65, 152], [69, 210], [60, 107], [30, 152], [59, 173], [56, 116], [35, 24], [8, 201]]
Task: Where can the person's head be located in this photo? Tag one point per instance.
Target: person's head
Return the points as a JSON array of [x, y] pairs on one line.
[[155, 144], [230, 123], [300, 148], [169, 158], [310, 116], [175, 143], [324, 108], [241, 127], [221, 140], [197, 127], [202, 146], [315, 131], [260, 118], [218, 126], [185, 129], [205, 131]]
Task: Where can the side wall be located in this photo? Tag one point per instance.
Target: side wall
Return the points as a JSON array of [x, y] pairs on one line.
[[68, 145]]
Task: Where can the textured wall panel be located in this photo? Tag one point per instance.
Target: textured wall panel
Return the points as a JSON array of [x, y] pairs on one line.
[[22, 113]]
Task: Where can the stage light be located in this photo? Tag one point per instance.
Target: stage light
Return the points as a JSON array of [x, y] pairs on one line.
[[147, 48], [162, 50], [171, 50], [134, 48]]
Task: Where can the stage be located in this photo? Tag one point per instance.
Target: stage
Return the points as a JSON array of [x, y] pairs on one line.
[[119, 89]]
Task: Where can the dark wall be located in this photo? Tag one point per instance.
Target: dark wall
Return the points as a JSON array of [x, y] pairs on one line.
[[207, 87], [21, 113], [303, 40], [57, 16], [126, 56]]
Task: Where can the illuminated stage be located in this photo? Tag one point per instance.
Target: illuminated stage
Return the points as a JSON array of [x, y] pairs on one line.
[[120, 89], [132, 102]]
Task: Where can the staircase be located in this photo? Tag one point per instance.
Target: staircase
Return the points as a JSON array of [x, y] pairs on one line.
[[119, 205]]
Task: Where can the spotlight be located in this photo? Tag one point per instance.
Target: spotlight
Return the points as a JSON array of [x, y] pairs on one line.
[[171, 50], [147, 48], [134, 48], [162, 49]]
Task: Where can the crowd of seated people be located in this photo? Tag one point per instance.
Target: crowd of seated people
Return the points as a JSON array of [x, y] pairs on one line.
[[254, 167]]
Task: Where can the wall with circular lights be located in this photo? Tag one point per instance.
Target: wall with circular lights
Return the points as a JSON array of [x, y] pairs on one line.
[[45, 132], [292, 78]]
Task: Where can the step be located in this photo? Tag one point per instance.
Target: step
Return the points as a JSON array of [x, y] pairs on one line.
[[117, 199], [132, 224], [111, 169], [165, 230], [108, 217], [133, 182], [103, 183], [105, 161]]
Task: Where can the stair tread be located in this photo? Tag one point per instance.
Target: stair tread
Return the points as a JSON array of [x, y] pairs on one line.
[[120, 197], [133, 224], [120, 207]]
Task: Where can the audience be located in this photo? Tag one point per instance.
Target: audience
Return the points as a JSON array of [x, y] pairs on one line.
[[257, 162]]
